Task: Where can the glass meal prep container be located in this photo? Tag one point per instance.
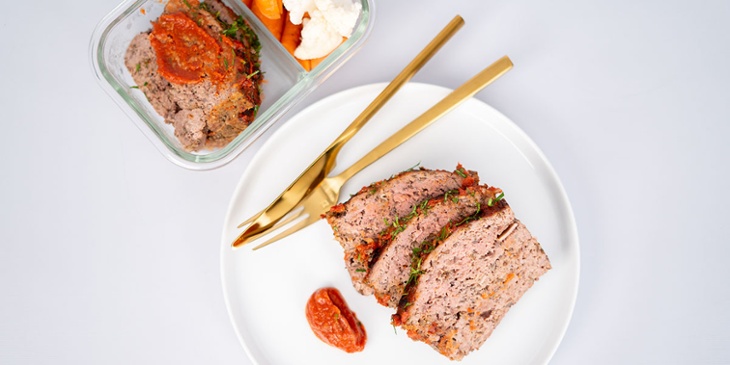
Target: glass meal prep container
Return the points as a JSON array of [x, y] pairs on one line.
[[285, 84]]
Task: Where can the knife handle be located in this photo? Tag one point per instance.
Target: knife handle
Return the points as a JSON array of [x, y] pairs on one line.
[[448, 103]]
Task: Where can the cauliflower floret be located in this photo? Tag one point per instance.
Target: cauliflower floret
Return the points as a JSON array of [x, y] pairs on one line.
[[297, 9], [340, 14], [329, 21], [319, 38]]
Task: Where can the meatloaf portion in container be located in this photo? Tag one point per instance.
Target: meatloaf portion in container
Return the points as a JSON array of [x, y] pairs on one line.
[[358, 222], [468, 282], [199, 68], [390, 271]]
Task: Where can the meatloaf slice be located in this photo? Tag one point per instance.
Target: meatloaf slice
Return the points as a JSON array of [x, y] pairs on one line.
[[204, 114], [186, 106], [358, 222], [389, 272], [468, 283]]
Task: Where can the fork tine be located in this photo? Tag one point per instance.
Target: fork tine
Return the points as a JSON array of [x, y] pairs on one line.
[[249, 220], [295, 213], [324, 164], [305, 222]]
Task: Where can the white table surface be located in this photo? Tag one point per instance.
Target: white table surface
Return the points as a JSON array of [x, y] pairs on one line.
[[109, 254]]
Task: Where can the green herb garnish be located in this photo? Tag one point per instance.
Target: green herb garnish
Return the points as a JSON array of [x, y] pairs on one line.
[[496, 199], [415, 271], [398, 229], [231, 30], [248, 34], [444, 233], [414, 166], [449, 195]]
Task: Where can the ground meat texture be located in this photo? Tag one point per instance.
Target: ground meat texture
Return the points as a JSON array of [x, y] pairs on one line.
[[141, 62], [390, 270], [190, 127], [358, 222], [469, 282]]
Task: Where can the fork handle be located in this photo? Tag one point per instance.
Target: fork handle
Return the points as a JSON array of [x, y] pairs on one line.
[[456, 97]]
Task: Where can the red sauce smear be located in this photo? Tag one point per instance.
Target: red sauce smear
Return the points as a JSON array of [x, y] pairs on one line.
[[333, 322], [186, 53]]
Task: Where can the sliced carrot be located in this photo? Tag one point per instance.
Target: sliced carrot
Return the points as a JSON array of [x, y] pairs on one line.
[[272, 9], [247, 3], [291, 36], [316, 61], [275, 26], [290, 39], [307, 64]]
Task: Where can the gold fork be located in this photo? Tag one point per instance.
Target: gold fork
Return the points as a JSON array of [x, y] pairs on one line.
[[327, 193], [323, 165]]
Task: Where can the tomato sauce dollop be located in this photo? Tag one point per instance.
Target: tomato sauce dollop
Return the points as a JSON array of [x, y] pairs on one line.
[[333, 322], [186, 53]]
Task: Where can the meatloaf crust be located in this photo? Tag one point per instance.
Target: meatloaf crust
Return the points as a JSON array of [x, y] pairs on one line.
[[358, 222]]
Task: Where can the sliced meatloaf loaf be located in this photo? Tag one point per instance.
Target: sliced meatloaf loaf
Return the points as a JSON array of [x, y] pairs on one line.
[[211, 111], [466, 285], [390, 271], [358, 222]]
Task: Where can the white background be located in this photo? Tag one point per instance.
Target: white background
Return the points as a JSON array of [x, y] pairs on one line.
[[109, 253]]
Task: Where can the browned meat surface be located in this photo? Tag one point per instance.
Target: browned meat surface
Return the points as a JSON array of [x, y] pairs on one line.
[[468, 283], [358, 222], [391, 269], [448, 253], [205, 114]]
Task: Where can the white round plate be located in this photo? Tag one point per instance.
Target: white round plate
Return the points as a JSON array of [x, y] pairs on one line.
[[266, 290]]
